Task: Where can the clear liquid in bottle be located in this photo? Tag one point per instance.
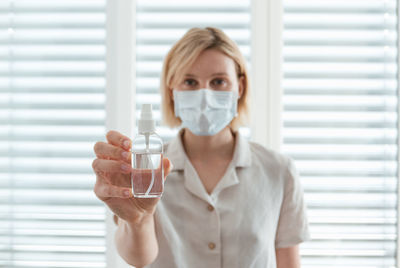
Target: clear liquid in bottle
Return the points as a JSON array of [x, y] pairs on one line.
[[147, 177]]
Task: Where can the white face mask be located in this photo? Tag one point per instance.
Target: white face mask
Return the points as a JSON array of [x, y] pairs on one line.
[[204, 111]]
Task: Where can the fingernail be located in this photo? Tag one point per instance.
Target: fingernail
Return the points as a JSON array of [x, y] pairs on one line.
[[125, 155], [172, 166], [127, 193], [125, 167], [126, 144]]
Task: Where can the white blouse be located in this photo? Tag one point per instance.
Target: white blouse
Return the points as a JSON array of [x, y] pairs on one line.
[[255, 208]]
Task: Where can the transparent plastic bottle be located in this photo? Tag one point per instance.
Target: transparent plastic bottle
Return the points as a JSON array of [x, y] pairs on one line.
[[147, 176]]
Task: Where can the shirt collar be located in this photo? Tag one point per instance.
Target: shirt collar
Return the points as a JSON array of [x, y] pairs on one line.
[[242, 153], [176, 153]]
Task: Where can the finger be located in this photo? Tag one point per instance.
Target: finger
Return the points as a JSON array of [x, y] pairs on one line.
[[118, 179], [107, 151], [167, 166], [117, 139], [112, 166], [105, 190]]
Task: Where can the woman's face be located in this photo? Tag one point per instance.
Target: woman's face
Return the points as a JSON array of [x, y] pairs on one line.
[[213, 70]]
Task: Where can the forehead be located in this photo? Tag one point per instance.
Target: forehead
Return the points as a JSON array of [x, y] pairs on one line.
[[211, 61]]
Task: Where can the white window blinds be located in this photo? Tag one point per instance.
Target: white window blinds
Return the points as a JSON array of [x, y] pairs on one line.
[[52, 79], [161, 23], [340, 125]]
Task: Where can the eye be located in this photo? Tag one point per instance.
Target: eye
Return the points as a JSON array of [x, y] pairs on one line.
[[219, 82], [190, 82]]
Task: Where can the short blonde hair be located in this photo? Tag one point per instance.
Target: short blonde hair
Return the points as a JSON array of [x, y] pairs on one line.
[[184, 53]]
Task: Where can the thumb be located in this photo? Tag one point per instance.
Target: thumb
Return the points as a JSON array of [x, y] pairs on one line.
[[167, 164]]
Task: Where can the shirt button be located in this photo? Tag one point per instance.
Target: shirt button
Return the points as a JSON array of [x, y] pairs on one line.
[[211, 245], [210, 208]]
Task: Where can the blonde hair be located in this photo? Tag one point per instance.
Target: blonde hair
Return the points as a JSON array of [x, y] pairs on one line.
[[184, 53]]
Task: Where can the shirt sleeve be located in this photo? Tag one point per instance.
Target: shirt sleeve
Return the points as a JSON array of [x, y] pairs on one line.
[[293, 223]]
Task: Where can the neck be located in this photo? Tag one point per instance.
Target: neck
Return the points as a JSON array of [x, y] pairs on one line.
[[206, 147]]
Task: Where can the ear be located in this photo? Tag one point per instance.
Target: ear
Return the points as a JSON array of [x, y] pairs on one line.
[[242, 81]]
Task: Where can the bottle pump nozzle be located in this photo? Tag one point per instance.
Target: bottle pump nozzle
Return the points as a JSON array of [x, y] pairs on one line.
[[146, 124]]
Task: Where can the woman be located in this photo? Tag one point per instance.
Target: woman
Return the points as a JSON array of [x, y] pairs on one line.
[[227, 202]]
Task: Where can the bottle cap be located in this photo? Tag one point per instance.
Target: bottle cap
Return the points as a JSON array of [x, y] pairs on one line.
[[146, 122]]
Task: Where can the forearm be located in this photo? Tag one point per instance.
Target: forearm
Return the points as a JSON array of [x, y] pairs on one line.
[[288, 257], [137, 244]]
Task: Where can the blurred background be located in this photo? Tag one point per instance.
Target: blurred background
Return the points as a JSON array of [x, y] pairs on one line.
[[325, 77]]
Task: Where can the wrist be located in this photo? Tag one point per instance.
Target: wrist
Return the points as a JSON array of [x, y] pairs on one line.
[[138, 222]]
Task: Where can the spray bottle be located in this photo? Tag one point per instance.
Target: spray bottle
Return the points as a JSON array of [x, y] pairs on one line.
[[147, 175]]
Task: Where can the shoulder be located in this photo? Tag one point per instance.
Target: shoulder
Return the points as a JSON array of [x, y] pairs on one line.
[[279, 166], [171, 145], [275, 164], [166, 145], [268, 157], [174, 151]]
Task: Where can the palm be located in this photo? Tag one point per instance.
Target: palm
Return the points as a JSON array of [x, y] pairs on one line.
[[128, 209]]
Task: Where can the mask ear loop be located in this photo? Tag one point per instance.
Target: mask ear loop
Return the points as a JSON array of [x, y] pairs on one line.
[[237, 104]]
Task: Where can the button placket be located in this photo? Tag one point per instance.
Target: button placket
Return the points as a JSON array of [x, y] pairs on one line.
[[211, 245], [214, 221], [213, 242]]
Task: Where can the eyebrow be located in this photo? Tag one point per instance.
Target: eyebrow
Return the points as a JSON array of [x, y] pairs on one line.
[[214, 74]]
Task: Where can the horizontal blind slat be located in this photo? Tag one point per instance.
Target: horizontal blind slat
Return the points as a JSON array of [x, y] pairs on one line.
[[340, 125], [52, 110]]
